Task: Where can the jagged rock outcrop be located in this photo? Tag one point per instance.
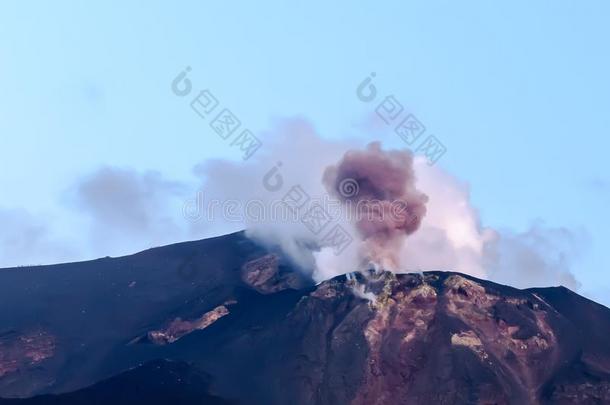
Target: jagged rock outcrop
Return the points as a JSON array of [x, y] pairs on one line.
[[265, 276], [179, 328]]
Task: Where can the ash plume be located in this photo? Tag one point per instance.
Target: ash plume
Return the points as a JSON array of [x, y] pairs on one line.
[[448, 234], [380, 186]]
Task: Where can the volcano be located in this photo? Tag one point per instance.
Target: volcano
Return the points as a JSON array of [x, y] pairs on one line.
[[228, 321]]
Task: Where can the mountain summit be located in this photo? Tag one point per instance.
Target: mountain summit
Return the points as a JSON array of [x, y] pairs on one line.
[[225, 320]]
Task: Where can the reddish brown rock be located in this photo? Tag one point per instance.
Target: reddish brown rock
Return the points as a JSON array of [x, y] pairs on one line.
[[19, 352], [264, 275], [179, 328]]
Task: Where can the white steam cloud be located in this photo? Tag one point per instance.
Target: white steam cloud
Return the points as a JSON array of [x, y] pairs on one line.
[[450, 236]]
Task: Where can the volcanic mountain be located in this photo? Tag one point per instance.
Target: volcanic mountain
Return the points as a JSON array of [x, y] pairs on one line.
[[227, 321]]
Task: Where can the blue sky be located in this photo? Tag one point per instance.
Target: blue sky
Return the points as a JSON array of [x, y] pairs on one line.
[[518, 92]]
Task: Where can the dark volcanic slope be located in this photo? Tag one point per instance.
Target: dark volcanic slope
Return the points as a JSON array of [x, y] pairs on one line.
[[60, 325], [155, 383], [262, 334]]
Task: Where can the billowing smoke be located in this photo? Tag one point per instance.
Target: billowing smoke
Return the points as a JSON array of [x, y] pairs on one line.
[[412, 217], [440, 230], [380, 187]]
